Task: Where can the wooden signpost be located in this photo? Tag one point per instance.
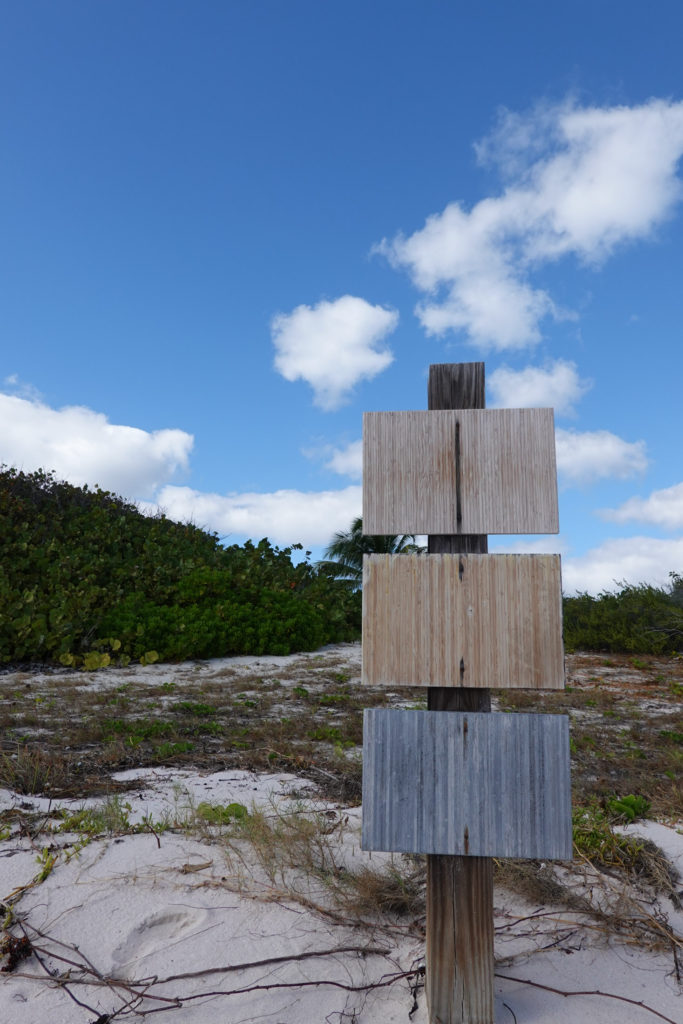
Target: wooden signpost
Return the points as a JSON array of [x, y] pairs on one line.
[[465, 786]]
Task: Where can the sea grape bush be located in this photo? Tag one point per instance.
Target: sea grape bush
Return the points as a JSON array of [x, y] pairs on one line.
[[87, 579], [634, 619]]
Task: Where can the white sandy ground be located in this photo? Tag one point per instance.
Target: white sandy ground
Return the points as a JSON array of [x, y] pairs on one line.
[[149, 906]]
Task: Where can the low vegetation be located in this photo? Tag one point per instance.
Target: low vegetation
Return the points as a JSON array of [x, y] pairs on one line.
[[87, 580], [638, 619]]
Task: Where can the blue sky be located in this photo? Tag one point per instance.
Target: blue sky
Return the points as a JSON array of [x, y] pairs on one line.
[[229, 228]]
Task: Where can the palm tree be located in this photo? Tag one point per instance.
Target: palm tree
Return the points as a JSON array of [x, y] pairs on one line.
[[344, 554]]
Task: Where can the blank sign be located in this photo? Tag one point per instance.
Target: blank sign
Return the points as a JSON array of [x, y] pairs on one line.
[[463, 620], [481, 785], [470, 471]]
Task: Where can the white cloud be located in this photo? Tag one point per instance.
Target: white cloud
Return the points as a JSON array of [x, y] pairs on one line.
[[347, 461], [594, 455], [580, 181], [332, 346], [631, 560], [285, 517], [557, 385], [661, 508], [82, 446]]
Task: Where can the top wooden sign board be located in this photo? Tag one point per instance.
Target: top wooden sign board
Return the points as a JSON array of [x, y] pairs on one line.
[[460, 471]]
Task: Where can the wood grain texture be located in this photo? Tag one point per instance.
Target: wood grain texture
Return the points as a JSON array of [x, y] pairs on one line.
[[459, 892], [459, 976], [470, 471], [463, 621], [479, 785], [456, 386]]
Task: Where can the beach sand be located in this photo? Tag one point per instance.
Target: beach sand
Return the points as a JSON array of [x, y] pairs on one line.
[[176, 923]]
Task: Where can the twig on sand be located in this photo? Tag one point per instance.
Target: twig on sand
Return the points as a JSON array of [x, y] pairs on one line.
[[587, 992], [383, 982], [134, 992]]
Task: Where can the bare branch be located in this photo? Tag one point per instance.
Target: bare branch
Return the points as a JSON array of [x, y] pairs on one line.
[[587, 992]]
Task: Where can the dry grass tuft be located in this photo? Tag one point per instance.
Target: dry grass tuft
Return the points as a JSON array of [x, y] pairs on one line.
[[32, 771], [305, 855]]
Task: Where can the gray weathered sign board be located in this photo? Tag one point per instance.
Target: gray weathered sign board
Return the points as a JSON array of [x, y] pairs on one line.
[[470, 471], [482, 785]]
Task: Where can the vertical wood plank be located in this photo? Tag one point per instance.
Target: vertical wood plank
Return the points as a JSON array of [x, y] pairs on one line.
[[463, 620], [459, 967], [465, 995]]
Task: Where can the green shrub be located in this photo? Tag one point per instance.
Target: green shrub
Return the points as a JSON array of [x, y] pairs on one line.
[[635, 619], [87, 580]]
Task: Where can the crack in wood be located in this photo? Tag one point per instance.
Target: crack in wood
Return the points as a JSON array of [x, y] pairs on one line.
[[458, 478]]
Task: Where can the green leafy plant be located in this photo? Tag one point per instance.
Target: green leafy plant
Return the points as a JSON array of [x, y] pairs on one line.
[[88, 581], [46, 861], [111, 815], [193, 707], [168, 749], [627, 808], [634, 619], [595, 839], [219, 814]]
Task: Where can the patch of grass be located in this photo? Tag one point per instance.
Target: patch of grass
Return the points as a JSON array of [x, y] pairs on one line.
[[605, 848], [32, 771], [330, 734], [203, 729], [671, 736], [315, 728], [167, 751], [111, 816], [220, 814], [303, 854], [195, 708]]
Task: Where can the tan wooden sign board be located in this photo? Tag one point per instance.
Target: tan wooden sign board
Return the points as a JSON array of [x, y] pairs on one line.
[[478, 785], [463, 620], [472, 471]]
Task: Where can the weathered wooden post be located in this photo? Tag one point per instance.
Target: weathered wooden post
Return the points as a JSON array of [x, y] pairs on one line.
[[459, 962], [468, 785]]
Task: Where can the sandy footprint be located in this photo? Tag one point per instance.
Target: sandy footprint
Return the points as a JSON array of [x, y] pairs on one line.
[[155, 933]]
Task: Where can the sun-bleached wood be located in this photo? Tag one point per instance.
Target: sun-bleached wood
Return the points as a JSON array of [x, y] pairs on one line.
[[459, 962], [469, 471], [479, 785], [463, 621]]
